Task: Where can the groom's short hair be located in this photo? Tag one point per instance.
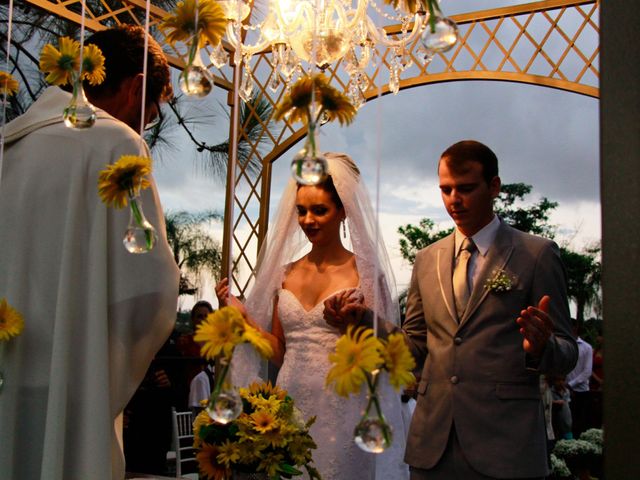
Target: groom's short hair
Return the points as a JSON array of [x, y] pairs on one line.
[[472, 151]]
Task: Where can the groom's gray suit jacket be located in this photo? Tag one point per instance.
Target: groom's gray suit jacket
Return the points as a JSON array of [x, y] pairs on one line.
[[476, 376]]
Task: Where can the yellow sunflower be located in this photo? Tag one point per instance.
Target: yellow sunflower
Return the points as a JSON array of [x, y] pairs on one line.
[[8, 84], [259, 342], [336, 104], [11, 321], [357, 352], [264, 420], [265, 390], [220, 332], [398, 361], [60, 65], [118, 180], [93, 65], [297, 103], [208, 463], [181, 22], [202, 420], [229, 453]]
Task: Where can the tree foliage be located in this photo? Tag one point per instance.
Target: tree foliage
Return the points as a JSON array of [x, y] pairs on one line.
[[194, 250], [583, 268]]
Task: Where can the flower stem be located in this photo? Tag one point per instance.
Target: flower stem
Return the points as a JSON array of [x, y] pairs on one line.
[[432, 14], [372, 384], [135, 208]]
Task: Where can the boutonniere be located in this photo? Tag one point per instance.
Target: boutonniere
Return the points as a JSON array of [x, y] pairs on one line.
[[500, 281]]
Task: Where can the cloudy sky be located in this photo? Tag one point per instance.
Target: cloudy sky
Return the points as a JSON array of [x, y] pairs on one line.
[[544, 137]]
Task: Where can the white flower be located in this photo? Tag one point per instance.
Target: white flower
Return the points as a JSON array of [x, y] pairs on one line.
[[500, 281]]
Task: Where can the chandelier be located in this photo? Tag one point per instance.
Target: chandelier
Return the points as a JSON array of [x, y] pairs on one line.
[[308, 35]]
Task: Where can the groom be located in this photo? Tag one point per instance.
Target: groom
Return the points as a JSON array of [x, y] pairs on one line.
[[487, 313]]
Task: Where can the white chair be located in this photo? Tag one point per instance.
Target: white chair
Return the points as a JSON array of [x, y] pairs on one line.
[[183, 443]]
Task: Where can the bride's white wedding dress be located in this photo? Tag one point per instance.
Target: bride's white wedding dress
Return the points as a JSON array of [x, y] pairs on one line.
[[309, 340]]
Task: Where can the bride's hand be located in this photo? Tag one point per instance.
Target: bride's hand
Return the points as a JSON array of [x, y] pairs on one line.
[[227, 300], [344, 309]]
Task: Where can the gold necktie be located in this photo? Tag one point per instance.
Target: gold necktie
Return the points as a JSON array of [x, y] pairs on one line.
[[460, 284]]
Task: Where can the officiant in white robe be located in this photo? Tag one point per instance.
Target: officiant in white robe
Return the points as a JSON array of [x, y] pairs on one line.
[[94, 314]]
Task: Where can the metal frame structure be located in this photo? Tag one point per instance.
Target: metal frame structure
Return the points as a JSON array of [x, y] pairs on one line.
[[549, 43]]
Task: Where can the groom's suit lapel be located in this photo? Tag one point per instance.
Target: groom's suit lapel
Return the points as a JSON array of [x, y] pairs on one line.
[[445, 273], [498, 255]]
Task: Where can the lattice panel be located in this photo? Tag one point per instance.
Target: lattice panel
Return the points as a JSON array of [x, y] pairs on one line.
[[553, 43]]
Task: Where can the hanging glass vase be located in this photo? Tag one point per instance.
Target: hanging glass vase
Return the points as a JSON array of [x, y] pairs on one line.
[[440, 33], [308, 167], [225, 403], [373, 434], [79, 113], [195, 79], [140, 236]]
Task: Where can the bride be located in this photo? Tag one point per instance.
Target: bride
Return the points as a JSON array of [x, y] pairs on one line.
[[287, 304]]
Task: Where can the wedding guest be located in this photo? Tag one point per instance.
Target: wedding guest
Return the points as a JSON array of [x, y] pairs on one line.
[[487, 313], [287, 302], [597, 381], [95, 315], [561, 415], [578, 383]]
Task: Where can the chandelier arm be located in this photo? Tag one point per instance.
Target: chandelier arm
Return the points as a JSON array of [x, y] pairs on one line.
[[383, 39], [245, 49]]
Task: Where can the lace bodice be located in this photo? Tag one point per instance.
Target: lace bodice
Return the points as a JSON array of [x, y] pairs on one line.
[[309, 340]]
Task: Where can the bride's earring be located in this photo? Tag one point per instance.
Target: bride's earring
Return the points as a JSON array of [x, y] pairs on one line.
[[344, 227]]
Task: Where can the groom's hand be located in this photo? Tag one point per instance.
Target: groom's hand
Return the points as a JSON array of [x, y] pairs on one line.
[[536, 327], [344, 309]]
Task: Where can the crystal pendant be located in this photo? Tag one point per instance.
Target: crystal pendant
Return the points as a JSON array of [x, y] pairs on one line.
[[274, 83], [196, 81], [79, 113], [373, 434], [246, 87], [394, 80], [308, 168], [219, 57], [140, 236], [225, 407], [440, 33]]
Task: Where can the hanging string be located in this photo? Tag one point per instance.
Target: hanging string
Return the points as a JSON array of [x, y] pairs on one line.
[[4, 97], [145, 62], [233, 159], [82, 14], [376, 235]]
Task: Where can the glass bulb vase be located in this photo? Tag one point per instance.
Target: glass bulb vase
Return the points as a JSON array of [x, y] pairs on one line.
[[225, 403], [140, 236]]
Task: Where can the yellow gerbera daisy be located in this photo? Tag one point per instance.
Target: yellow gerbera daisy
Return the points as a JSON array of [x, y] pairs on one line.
[[220, 332], [259, 342], [181, 22], [357, 352], [208, 463], [11, 321], [127, 176], [398, 361], [264, 420], [93, 65], [59, 65], [8, 84], [229, 453]]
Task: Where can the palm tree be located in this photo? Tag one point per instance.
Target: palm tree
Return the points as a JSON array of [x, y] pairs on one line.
[[194, 250]]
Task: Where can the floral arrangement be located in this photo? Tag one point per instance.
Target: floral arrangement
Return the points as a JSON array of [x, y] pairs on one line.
[[358, 359], [581, 455], [62, 64], [269, 436], [11, 321], [219, 334], [500, 281], [8, 84], [122, 182]]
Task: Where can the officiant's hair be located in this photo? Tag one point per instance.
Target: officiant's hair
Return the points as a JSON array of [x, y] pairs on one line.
[[327, 185], [123, 50], [458, 154]]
